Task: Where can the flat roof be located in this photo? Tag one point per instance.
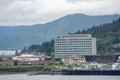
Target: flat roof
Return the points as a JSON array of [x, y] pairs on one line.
[[75, 35]]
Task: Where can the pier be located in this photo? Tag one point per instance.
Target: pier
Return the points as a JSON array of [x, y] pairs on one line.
[[91, 72]]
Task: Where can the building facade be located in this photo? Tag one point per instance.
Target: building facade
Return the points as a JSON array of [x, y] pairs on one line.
[[7, 53], [74, 45]]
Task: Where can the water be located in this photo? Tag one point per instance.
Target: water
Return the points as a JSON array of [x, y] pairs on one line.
[[56, 77]]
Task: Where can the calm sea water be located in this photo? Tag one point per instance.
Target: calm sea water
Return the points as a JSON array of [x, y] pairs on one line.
[[56, 77]]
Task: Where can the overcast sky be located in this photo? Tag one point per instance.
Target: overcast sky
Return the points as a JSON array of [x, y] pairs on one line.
[[28, 12]]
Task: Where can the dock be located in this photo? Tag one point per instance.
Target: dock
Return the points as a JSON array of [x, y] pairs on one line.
[[91, 72]]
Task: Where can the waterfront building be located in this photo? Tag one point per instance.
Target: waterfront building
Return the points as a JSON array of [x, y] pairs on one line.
[[74, 45], [74, 60], [27, 57], [31, 57], [8, 53], [104, 58]]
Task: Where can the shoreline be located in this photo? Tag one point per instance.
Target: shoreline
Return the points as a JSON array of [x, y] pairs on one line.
[[38, 71], [20, 71], [29, 69], [12, 73]]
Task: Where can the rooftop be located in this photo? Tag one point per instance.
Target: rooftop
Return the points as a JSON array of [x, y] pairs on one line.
[[75, 35]]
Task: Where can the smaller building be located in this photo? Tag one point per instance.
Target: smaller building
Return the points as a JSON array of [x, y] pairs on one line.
[[106, 58], [27, 57], [74, 60], [8, 53], [6, 63]]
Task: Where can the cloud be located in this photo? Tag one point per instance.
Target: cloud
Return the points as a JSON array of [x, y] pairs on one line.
[[28, 12]]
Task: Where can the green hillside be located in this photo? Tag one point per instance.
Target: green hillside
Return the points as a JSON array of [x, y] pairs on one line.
[[108, 39]]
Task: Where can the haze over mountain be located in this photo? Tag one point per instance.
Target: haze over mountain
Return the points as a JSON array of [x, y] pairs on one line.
[[21, 36]]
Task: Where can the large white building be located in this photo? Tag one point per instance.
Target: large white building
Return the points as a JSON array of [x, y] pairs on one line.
[[8, 53], [74, 45]]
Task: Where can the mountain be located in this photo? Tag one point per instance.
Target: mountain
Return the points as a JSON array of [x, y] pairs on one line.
[[107, 35], [23, 36], [6, 31]]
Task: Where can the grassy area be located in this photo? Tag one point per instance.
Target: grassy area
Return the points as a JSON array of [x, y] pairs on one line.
[[45, 67], [20, 66], [49, 67]]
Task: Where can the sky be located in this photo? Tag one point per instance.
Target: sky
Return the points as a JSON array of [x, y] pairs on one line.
[[29, 12]]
